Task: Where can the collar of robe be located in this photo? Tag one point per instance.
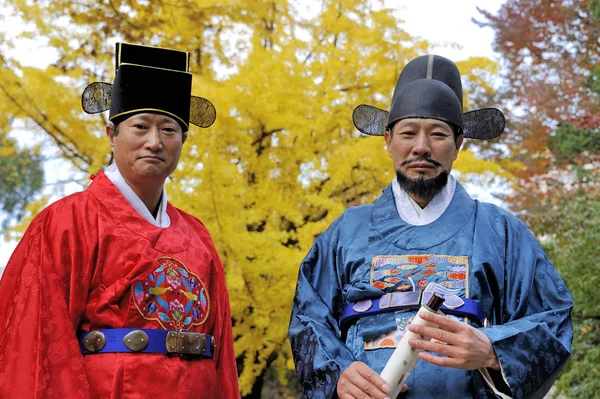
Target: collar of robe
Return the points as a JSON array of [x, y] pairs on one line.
[[161, 219], [390, 227], [413, 214], [171, 240]]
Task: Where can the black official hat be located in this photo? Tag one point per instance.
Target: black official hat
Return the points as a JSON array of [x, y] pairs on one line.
[[430, 87], [149, 79]]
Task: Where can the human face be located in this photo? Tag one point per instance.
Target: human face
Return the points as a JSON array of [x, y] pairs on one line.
[[147, 147], [422, 148]]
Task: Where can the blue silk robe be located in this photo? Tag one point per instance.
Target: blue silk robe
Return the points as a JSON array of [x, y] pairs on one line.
[[508, 273]]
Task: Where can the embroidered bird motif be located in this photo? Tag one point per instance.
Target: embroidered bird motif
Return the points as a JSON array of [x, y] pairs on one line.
[[189, 295], [159, 290], [409, 277]]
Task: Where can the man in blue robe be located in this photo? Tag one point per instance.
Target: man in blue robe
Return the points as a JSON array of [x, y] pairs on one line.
[[508, 331]]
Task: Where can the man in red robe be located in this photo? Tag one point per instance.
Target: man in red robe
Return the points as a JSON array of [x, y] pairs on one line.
[[113, 292]]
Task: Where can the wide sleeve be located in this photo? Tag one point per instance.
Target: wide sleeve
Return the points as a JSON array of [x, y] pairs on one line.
[[42, 298], [224, 351], [320, 355], [534, 336]]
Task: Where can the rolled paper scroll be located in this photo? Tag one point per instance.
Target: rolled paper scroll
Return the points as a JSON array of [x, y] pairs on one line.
[[405, 357]]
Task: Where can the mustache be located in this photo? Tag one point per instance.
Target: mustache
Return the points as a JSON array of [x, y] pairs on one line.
[[421, 159]]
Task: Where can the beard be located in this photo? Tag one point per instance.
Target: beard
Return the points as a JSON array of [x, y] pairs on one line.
[[421, 187]]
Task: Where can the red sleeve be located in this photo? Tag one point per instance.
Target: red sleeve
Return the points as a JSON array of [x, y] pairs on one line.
[[42, 297]]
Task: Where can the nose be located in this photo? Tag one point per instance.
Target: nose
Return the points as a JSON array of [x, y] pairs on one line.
[[153, 139], [422, 146]]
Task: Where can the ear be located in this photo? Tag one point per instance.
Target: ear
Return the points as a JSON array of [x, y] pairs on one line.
[[388, 141], [459, 142], [110, 133]]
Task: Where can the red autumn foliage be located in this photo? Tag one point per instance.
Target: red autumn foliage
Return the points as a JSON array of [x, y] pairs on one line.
[[587, 121], [549, 49]]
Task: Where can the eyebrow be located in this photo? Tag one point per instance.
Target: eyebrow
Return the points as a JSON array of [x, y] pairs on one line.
[[441, 126], [145, 118], [166, 119], [432, 125]]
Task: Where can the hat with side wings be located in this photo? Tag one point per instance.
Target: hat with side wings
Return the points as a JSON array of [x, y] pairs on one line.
[[430, 87], [149, 79]]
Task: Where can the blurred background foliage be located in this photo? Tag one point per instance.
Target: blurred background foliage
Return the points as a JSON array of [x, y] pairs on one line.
[[283, 159]]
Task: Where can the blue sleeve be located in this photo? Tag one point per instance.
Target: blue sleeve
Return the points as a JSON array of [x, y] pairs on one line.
[[320, 355], [533, 338]]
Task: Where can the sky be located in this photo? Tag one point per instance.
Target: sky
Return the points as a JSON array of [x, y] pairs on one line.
[[441, 22]]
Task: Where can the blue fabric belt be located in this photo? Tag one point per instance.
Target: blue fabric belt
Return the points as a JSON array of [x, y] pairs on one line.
[[113, 341], [462, 307]]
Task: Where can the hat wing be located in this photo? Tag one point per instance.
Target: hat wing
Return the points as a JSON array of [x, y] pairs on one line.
[[96, 97], [483, 124], [202, 112], [370, 120]]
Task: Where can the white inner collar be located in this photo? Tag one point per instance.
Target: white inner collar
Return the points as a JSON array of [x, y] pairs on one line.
[[161, 220], [412, 213]]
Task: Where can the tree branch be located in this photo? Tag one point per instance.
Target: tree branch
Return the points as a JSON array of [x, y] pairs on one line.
[[70, 152]]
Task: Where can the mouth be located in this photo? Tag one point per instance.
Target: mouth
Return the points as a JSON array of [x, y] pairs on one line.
[[421, 165], [152, 158]]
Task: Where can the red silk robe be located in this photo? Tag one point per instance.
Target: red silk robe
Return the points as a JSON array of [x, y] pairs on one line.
[[90, 261]]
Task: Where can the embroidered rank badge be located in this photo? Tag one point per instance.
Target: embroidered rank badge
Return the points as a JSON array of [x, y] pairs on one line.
[[172, 296], [442, 274]]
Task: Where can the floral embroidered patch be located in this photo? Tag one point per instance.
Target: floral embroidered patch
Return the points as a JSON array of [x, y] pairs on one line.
[[172, 295], [443, 274], [415, 272]]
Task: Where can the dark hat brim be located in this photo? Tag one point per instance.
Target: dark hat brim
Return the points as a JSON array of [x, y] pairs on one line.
[[480, 124], [97, 96]]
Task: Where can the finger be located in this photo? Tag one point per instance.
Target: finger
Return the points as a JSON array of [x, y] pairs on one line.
[[346, 388], [444, 361], [444, 322], [360, 387], [432, 332], [374, 378], [347, 395], [404, 388], [439, 348]]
